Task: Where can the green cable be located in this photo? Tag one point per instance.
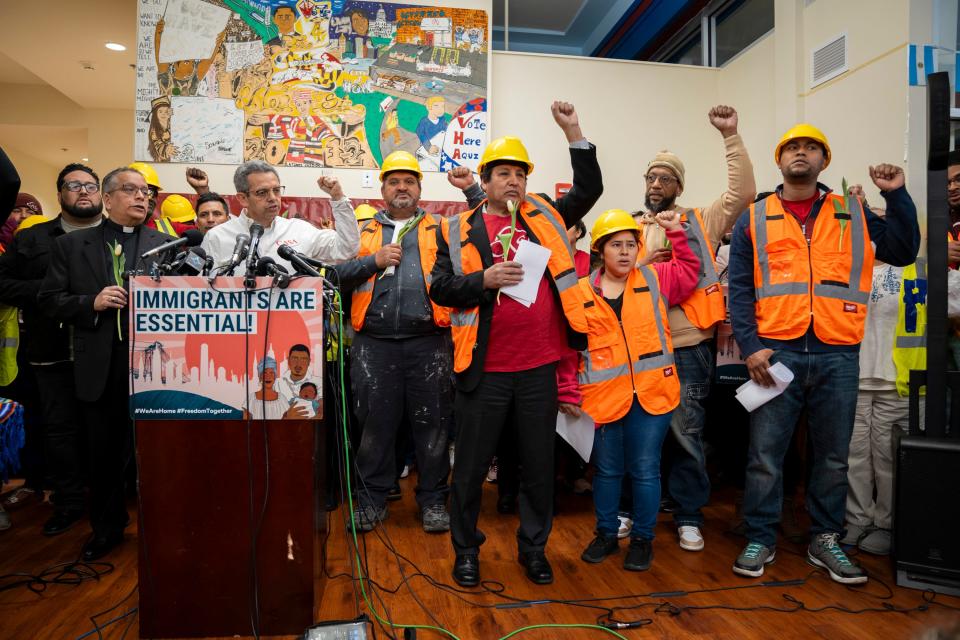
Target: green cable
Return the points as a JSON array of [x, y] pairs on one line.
[[353, 529], [563, 626]]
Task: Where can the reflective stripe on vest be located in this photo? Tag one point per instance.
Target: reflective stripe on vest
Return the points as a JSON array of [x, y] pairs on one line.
[[371, 240], [608, 391], [9, 343], [837, 260], [910, 337], [704, 308], [165, 226], [544, 225]]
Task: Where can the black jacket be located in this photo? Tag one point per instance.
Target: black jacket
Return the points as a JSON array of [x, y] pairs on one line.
[[9, 186], [22, 269], [467, 291], [78, 271]]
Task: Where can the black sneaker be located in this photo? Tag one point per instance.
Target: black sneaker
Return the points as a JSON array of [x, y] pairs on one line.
[[639, 555], [61, 521], [601, 547]]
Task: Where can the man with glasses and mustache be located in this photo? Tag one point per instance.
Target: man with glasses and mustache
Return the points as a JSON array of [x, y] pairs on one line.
[[47, 342], [260, 194], [79, 289], [692, 323]]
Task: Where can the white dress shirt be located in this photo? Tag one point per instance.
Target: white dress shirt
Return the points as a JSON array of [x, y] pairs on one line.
[[331, 246]]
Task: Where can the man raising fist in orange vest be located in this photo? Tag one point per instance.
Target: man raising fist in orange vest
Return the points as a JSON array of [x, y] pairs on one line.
[[505, 351], [801, 268]]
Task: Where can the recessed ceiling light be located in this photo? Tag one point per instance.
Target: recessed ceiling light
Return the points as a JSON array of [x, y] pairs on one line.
[[84, 159], [113, 46]]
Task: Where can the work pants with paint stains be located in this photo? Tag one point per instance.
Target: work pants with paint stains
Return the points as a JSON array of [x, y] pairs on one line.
[[393, 378]]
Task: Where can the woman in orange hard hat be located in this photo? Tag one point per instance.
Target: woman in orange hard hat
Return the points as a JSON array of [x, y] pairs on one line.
[[627, 374]]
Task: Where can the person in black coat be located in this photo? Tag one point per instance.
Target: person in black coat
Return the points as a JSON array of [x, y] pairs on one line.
[[46, 342], [80, 289]]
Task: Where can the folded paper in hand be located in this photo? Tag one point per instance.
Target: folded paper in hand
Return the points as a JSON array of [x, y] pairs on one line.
[[752, 395], [534, 259]]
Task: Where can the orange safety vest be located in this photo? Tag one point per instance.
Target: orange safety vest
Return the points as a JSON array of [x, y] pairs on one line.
[[371, 240], [704, 308], [547, 227], [827, 280], [627, 357]]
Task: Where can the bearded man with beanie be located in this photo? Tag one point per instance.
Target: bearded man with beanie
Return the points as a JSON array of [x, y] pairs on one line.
[[693, 322]]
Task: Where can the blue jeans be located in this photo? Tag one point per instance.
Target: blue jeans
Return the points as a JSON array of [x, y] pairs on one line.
[[630, 446], [826, 385], [687, 480]]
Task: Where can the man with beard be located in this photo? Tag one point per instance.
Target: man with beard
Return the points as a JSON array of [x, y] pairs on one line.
[[79, 289], [47, 341], [693, 322], [801, 272], [401, 359]]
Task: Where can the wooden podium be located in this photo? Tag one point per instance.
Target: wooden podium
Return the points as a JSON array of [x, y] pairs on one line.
[[231, 510], [196, 528]]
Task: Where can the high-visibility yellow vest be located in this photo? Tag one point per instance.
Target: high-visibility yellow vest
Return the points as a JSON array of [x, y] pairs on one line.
[[165, 226], [9, 342], [910, 339]]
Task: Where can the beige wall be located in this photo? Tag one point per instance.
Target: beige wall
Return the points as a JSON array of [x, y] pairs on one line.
[[37, 178]]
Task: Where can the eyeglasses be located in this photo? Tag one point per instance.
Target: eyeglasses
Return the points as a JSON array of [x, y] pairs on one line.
[[261, 194], [664, 180], [75, 186], [132, 190]]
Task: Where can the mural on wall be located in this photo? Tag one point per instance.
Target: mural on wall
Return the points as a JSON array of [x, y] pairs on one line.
[[310, 83]]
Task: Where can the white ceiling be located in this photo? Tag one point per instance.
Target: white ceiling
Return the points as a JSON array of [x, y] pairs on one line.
[[48, 42]]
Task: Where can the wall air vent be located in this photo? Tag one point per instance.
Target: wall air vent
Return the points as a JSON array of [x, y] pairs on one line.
[[828, 61]]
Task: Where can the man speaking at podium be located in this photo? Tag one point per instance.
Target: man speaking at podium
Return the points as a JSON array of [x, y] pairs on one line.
[[259, 191], [82, 288]]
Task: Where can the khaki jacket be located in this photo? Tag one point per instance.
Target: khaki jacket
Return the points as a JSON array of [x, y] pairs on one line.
[[719, 218]]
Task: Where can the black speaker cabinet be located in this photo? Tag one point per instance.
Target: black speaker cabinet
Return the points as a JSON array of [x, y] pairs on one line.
[[927, 513]]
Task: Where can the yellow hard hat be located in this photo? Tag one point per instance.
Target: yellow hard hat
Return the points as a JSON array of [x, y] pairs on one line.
[[364, 212], [804, 130], [29, 221], [611, 221], [177, 208], [400, 161], [148, 173], [507, 148]]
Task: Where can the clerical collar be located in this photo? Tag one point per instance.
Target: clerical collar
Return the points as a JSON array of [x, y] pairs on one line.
[[119, 227]]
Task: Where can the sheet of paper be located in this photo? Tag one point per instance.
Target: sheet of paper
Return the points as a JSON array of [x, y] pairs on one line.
[[578, 432], [243, 54], [752, 395], [534, 259], [190, 30], [207, 130], [390, 270]]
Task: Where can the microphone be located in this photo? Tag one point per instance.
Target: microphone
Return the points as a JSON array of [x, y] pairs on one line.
[[256, 232], [192, 263], [239, 253], [190, 237], [267, 266], [298, 260]]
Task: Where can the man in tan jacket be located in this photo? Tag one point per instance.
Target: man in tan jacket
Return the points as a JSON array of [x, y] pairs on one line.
[[693, 323]]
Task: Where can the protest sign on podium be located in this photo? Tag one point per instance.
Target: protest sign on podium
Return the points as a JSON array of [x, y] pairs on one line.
[[226, 390]]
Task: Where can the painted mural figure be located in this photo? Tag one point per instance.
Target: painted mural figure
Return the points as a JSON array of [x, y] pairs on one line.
[[161, 147], [338, 84]]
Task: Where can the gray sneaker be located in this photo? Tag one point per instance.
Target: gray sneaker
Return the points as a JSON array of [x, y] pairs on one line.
[[824, 551], [367, 518], [753, 558], [877, 542], [854, 533], [435, 518]]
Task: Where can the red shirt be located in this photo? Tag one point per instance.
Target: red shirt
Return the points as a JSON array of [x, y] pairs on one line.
[[522, 338], [800, 208]]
